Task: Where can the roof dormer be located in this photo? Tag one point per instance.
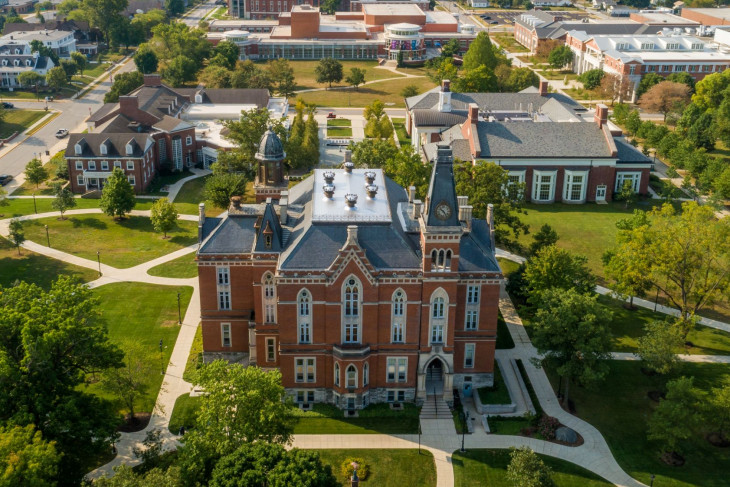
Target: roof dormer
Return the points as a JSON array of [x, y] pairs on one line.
[[130, 147], [79, 147], [104, 147]]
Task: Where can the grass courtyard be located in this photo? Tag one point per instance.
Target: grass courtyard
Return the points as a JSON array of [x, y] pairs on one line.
[[388, 468], [35, 268], [183, 414], [18, 120], [122, 244], [155, 318], [375, 419], [306, 79], [183, 267], [339, 127], [619, 408], [399, 124], [386, 91], [489, 467], [191, 195]]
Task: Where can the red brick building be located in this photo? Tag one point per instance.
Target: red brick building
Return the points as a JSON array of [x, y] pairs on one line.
[[356, 290]]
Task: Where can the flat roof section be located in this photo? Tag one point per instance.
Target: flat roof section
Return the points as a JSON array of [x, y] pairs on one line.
[[335, 209], [391, 9]]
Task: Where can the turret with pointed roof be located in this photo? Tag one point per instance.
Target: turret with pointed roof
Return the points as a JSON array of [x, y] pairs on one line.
[[270, 181]]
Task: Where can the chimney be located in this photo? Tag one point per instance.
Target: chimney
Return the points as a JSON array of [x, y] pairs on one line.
[[601, 115], [473, 113], [445, 96], [462, 200], [201, 221], [490, 224], [348, 155], [465, 212], [543, 88], [152, 80], [411, 193], [351, 235], [236, 202], [416, 209], [128, 105], [283, 207]]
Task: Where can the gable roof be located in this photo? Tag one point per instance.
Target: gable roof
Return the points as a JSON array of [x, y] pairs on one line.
[[116, 144], [172, 124]]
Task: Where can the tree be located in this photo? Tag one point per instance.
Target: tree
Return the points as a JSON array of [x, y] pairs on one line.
[[356, 77], [35, 173], [647, 81], [16, 233], [658, 347], [328, 71], [220, 188], [241, 405], [710, 91], [249, 75], [329, 6], [125, 33], [526, 469], [702, 132], [572, 331], [665, 97], [103, 14], [683, 77], [282, 76], [26, 458], [407, 169], [226, 54], [175, 7], [28, 79], [372, 153], [45, 51], [124, 83], [377, 124], [117, 196], [69, 67], [719, 410], [677, 416], [56, 78], [129, 382], [63, 199], [443, 68], [146, 21], [615, 87], [546, 237], [451, 48], [409, 91], [80, 61], [175, 39], [518, 79], [214, 76], [163, 216], [684, 255], [47, 353], [591, 78], [179, 70], [266, 464], [145, 59], [560, 56], [627, 194], [477, 80], [3, 200], [125, 476], [151, 448], [480, 53], [485, 182], [553, 267]]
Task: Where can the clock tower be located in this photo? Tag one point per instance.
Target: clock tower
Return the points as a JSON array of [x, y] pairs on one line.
[[442, 208]]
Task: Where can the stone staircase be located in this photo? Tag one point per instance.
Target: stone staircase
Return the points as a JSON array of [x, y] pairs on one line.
[[435, 408]]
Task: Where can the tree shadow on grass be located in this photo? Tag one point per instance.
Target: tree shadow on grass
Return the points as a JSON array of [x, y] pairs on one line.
[[95, 223], [183, 240]]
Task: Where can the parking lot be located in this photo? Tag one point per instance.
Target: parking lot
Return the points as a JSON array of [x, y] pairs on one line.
[[507, 17]]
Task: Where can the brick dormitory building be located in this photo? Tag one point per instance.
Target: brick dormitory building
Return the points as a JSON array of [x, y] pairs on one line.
[[354, 289]]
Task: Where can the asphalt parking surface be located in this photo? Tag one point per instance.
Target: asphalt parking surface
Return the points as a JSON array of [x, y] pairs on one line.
[[508, 17]]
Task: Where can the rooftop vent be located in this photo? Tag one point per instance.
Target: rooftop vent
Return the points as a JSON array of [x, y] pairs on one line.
[[236, 201], [351, 200], [329, 177], [348, 167], [329, 190], [372, 190], [369, 177]]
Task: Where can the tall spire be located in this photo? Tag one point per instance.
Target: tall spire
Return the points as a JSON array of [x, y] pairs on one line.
[[442, 209]]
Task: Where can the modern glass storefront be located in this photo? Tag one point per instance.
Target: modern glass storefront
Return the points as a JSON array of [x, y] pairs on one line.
[[353, 50]]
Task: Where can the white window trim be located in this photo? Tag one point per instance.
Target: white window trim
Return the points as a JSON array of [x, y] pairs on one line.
[[304, 321], [347, 376], [536, 185], [227, 326], [269, 302], [80, 180], [398, 321], [519, 174], [132, 180], [270, 340], [442, 321], [104, 165], [473, 355], [118, 164], [79, 165], [351, 320], [568, 182], [92, 165], [336, 370], [305, 365], [396, 371], [626, 175], [130, 165], [221, 307]]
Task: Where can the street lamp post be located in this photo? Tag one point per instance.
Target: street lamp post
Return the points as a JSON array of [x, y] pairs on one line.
[[656, 299], [98, 259], [35, 208], [652, 480], [179, 315], [463, 431], [48, 238], [162, 363]]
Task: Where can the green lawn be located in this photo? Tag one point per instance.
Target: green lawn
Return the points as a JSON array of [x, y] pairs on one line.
[[122, 244], [21, 95], [400, 129], [162, 180], [195, 357], [339, 122], [375, 419], [191, 195], [154, 319], [619, 408], [504, 339], [35, 268], [25, 206], [489, 467], [18, 120], [508, 43], [339, 132], [305, 77], [183, 267], [508, 266], [183, 414], [497, 394], [388, 468], [386, 91]]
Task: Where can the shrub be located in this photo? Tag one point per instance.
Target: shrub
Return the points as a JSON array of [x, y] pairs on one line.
[[363, 470], [547, 426]]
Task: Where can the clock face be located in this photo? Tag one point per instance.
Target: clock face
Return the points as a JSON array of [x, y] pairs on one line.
[[443, 211]]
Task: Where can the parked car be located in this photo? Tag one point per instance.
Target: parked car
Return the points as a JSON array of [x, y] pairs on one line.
[[331, 115], [61, 133], [8, 105], [5, 179], [486, 17], [494, 22]]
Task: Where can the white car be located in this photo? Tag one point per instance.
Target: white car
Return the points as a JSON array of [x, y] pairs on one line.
[[61, 133]]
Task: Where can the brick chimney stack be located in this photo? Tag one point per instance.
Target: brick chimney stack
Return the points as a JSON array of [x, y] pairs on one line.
[[543, 87], [445, 96], [128, 105], [152, 80], [601, 115]]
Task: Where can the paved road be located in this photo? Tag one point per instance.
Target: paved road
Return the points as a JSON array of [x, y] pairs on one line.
[[73, 113]]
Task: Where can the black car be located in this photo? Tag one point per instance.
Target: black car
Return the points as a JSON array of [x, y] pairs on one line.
[[8, 105], [5, 179]]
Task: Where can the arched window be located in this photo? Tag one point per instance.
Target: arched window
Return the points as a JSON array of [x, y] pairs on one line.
[[351, 311], [365, 374], [433, 259], [337, 374], [269, 298], [438, 319], [351, 374], [398, 300], [303, 317], [441, 259], [398, 317], [448, 260], [437, 308]]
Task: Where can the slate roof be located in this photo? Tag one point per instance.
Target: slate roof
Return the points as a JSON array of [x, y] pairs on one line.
[[157, 99], [627, 153], [171, 124], [424, 117], [102, 112], [235, 235], [490, 101], [225, 96], [116, 144], [475, 254]]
